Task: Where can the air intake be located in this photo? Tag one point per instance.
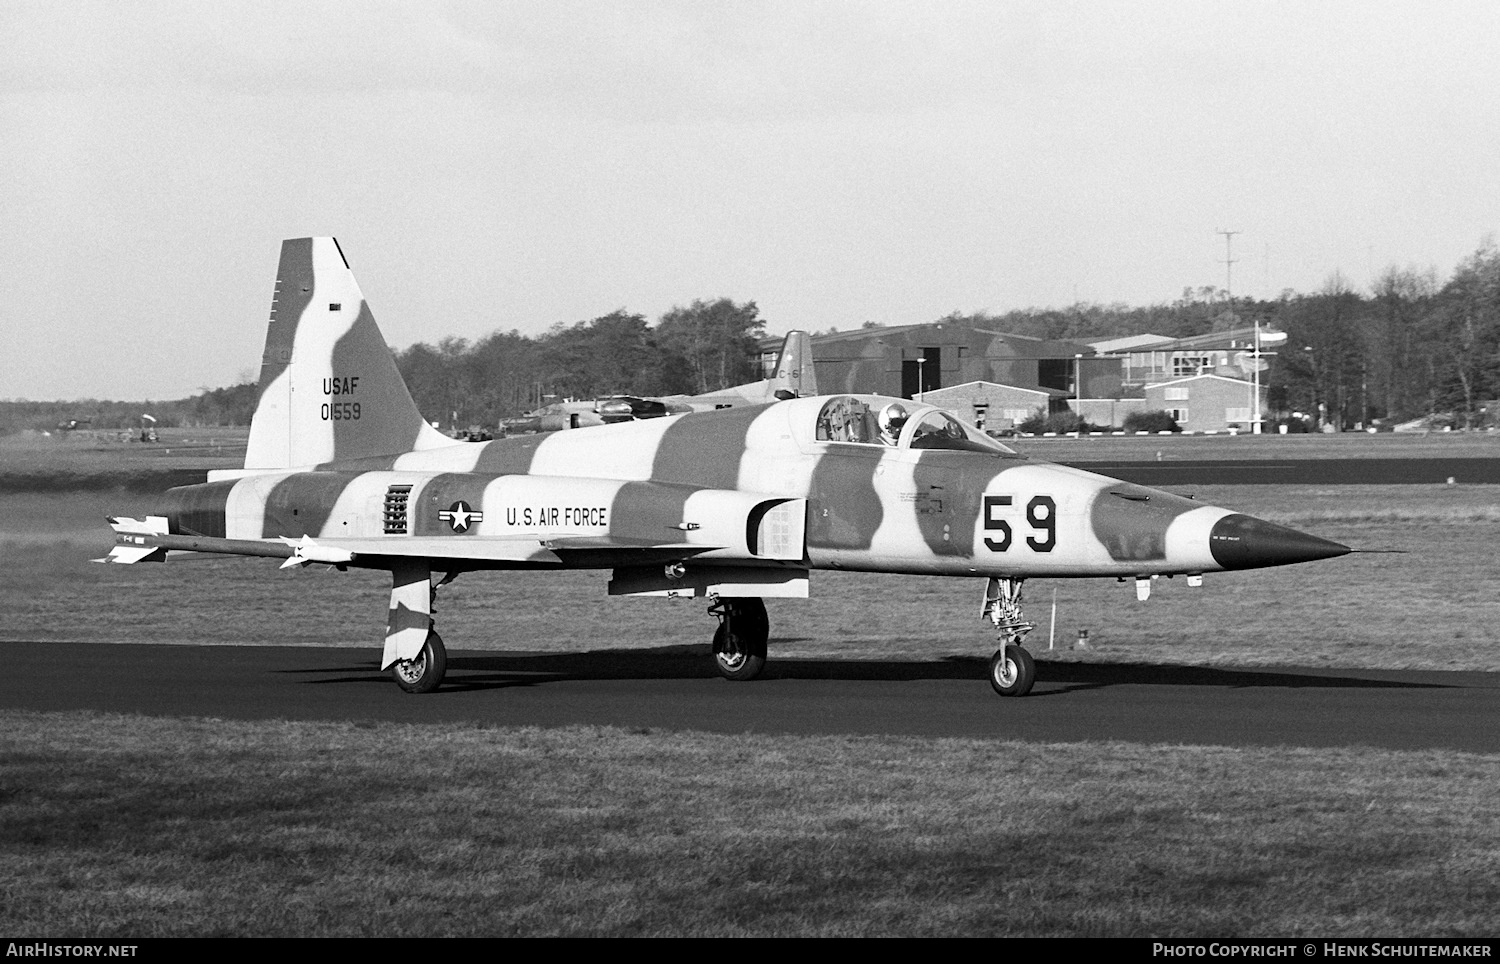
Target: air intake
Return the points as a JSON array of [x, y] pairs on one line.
[[394, 515]]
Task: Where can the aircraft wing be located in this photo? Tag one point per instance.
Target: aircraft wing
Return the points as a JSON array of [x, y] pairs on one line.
[[596, 552], [149, 540]]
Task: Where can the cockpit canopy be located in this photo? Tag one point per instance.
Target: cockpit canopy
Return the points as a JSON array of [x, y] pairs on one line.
[[900, 423]]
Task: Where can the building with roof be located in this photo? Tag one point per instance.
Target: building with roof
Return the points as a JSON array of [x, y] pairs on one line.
[[1207, 402], [913, 359], [1145, 359], [996, 379], [993, 407]]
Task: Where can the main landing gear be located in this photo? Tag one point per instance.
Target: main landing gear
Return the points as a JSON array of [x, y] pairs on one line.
[[739, 644], [413, 601], [740, 640], [425, 672], [1012, 670]]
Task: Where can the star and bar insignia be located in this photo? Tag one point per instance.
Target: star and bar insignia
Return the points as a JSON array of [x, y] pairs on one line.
[[459, 515]]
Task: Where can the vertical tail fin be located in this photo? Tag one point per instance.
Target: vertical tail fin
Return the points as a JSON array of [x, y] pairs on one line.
[[794, 367], [329, 387]]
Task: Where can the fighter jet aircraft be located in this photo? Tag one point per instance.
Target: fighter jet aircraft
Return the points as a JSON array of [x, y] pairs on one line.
[[791, 377], [731, 506], [563, 415]]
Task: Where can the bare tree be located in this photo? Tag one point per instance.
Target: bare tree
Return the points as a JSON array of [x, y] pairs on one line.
[[1396, 349], [1467, 327]]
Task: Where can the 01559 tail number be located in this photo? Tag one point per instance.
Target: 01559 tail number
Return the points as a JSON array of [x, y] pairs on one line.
[[1041, 514], [340, 411]]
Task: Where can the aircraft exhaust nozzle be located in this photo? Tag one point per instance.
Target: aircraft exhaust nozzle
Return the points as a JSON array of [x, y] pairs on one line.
[[1244, 542]]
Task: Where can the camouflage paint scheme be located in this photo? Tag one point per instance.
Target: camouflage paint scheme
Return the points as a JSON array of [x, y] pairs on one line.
[[739, 502]]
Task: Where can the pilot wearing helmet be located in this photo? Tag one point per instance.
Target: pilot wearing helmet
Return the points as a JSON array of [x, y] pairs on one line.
[[892, 421]]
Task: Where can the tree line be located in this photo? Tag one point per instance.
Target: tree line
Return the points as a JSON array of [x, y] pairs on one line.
[[703, 347], [220, 406], [1410, 346]]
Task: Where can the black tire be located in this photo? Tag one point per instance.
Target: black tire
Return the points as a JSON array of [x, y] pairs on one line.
[[740, 640], [1012, 671], [424, 673]]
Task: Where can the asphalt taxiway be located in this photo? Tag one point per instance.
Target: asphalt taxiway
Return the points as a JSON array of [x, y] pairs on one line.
[[676, 689]]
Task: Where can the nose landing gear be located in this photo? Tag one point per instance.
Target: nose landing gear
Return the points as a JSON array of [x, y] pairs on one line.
[[1012, 670]]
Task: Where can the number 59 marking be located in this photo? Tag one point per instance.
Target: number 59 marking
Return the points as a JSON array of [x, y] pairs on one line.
[[1041, 513]]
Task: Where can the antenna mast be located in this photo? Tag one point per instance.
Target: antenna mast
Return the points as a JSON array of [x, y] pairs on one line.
[[1229, 260], [1255, 356]]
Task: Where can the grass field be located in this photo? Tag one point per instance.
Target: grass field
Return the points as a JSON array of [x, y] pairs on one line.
[[130, 827], [133, 826], [86, 461]]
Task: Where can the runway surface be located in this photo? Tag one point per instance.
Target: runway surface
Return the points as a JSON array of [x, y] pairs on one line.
[[677, 690]]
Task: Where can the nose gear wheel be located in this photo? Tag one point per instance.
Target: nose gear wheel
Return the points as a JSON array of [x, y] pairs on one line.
[[1012, 669]]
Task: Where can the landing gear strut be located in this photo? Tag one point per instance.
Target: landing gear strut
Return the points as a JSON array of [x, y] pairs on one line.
[[417, 667], [740, 640], [1012, 670]]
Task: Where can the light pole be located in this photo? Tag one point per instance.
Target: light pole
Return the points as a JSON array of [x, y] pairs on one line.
[[1262, 339], [1312, 369], [1078, 386], [1255, 382], [921, 360]]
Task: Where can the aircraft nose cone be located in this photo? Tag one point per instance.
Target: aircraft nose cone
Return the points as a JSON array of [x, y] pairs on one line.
[[1244, 542]]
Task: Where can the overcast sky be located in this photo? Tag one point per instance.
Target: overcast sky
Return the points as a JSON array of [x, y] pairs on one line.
[[513, 165]]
